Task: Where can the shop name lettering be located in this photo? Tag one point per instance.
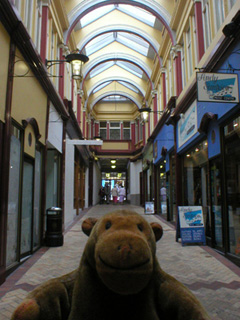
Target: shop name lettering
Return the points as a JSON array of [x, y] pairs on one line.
[[205, 77]]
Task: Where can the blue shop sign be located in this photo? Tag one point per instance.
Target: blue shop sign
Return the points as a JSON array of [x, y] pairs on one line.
[[191, 224]]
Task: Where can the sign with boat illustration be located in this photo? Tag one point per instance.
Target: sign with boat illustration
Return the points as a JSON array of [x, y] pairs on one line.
[[191, 224], [217, 87], [187, 125]]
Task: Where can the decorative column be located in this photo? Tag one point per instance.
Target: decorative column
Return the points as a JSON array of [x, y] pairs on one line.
[[108, 130], [84, 122], [121, 130], [79, 105], [44, 30], [155, 108], [199, 28], [176, 54], [63, 50], [164, 88]]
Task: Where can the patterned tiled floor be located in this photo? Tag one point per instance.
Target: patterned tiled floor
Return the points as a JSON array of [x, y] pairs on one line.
[[211, 277]]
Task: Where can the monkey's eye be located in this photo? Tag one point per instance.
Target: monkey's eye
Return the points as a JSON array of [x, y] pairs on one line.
[[108, 225], [140, 227]]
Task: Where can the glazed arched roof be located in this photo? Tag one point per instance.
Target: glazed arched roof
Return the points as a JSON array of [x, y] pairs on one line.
[[122, 40]]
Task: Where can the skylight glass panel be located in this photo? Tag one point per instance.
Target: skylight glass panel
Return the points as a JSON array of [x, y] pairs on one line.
[[95, 14], [100, 68], [129, 86], [113, 98], [133, 43], [130, 68], [98, 43], [138, 13], [101, 86]]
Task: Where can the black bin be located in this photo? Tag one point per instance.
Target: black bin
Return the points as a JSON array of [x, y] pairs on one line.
[[54, 236]]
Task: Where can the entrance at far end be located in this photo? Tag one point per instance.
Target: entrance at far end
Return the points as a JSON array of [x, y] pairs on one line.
[[114, 179]]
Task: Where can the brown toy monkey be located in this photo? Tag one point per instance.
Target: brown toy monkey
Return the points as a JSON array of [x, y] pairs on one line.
[[119, 278]]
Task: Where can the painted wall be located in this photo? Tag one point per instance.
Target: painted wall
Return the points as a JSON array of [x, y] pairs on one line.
[[134, 186], [165, 138], [5, 42], [29, 100]]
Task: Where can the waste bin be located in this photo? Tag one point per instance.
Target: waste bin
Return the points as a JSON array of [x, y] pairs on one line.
[[54, 236]]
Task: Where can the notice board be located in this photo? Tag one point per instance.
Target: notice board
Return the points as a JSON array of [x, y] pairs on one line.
[[191, 224]]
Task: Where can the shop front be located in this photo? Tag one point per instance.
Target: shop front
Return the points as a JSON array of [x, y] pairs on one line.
[[164, 165], [209, 149]]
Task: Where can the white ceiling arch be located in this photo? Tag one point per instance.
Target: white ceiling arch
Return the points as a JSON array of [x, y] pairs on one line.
[[119, 28], [112, 93], [152, 6], [119, 57]]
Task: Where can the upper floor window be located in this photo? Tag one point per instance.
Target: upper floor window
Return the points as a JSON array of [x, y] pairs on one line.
[[126, 130], [115, 131], [219, 13], [136, 131], [38, 24], [231, 3], [28, 14], [103, 130], [184, 80], [189, 52], [206, 23], [17, 4]]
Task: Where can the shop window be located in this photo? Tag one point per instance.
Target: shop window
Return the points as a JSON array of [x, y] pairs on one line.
[[195, 178], [163, 189], [13, 196], [216, 203], [53, 178], [232, 153], [103, 130], [171, 189], [37, 200], [126, 130], [115, 131], [27, 207]]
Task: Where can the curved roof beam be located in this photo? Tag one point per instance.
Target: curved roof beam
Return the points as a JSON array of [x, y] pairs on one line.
[[150, 5], [121, 79], [118, 79], [112, 93], [119, 57]]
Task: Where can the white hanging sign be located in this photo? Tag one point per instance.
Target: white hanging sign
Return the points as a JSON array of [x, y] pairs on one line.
[[217, 87]]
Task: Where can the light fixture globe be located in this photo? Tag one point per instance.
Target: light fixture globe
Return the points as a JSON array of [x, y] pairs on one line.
[[76, 60], [144, 113]]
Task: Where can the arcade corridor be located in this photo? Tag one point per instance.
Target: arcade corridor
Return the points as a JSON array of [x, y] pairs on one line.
[[211, 277]]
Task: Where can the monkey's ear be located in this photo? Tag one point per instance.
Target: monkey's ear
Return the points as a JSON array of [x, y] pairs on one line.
[[157, 229], [88, 224]]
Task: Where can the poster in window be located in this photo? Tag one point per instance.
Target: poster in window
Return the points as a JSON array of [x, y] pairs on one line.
[[149, 207], [187, 125]]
